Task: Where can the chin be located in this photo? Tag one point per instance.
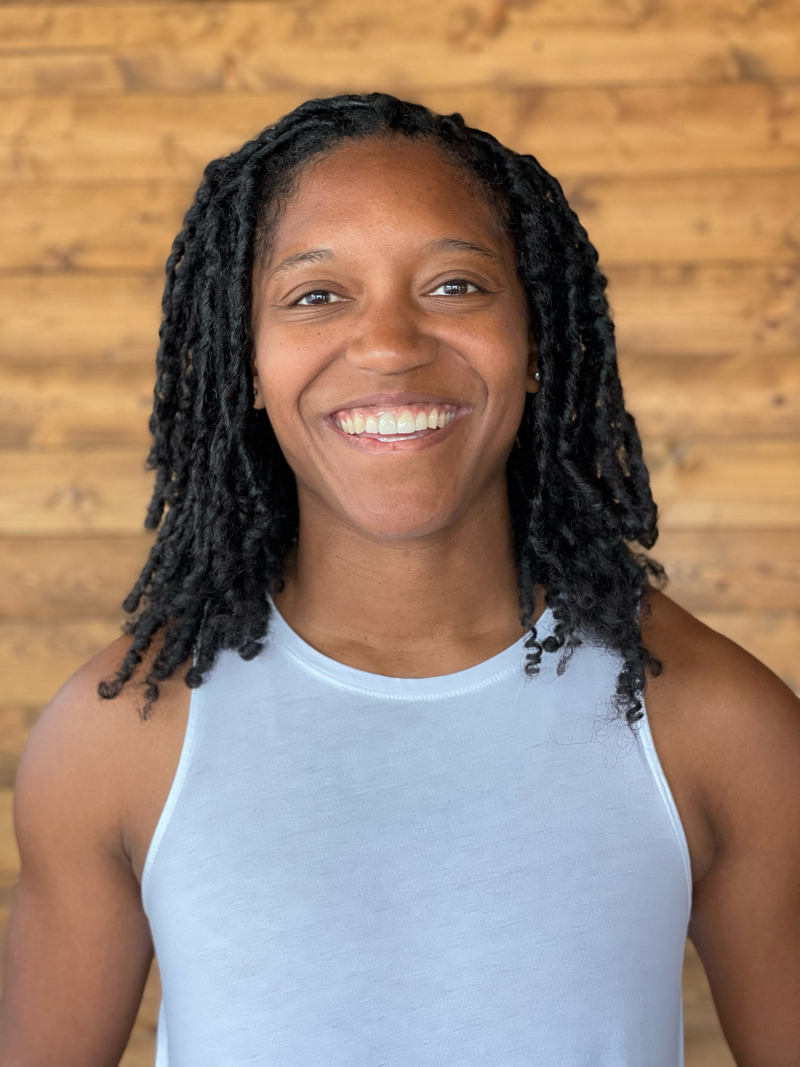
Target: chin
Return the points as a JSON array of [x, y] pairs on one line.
[[400, 523]]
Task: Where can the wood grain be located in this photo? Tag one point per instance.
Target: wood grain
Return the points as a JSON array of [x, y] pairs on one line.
[[728, 483], [69, 318], [76, 404], [144, 23], [731, 570], [680, 395], [356, 45], [37, 658], [9, 854], [706, 311], [72, 492], [691, 219], [454, 57], [69, 577], [748, 126], [110, 227]]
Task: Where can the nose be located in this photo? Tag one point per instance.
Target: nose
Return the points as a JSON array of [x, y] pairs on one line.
[[389, 339]]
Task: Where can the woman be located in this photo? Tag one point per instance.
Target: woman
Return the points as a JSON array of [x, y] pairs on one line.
[[415, 811]]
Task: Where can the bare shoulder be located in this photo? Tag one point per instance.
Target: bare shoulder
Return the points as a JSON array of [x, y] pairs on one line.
[[86, 776], [730, 694], [729, 721], [728, 730], [100, 757]]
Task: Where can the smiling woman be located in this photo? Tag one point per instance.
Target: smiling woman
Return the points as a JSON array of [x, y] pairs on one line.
[[362, 242], [383, 822]]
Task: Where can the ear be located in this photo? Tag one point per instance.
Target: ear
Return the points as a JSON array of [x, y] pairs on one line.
[[531, 383], [259, 403]]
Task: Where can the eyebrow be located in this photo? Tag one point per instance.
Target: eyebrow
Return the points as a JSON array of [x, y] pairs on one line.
[[442, 244], [313, 255], [453, 244]]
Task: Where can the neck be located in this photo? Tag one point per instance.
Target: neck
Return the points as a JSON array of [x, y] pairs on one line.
[[433, 604]]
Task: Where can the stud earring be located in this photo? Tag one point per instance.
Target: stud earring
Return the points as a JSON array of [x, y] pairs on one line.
[[538, 376]]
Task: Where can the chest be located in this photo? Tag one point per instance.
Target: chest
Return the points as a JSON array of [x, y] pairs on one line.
[[404, 888], [389, 753], [159, 763]]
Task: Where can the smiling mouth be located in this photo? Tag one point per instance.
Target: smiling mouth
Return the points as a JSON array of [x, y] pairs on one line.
[[391, 426]]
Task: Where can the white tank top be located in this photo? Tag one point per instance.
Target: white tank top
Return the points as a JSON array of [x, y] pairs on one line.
[[474, 869]]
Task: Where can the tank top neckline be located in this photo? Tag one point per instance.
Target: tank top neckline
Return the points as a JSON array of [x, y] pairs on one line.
[[344, 676]]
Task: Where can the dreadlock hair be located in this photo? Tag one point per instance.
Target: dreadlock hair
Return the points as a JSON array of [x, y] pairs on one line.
[[578, 487]]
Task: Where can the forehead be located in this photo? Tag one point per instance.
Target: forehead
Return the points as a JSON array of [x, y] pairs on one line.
[[380, 185]]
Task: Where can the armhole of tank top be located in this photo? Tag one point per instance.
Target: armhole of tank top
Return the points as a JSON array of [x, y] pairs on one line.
[[181, 771], [669, 801], [162, 1041], [657, 770]]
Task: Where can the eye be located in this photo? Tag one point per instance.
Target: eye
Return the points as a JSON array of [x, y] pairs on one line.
[[456, 287], [316, 298]]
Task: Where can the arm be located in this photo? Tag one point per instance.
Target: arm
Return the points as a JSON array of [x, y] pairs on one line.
[[78, 947], [746, 915]]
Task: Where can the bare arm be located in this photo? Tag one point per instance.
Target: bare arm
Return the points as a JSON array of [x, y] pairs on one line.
[[78, 948], [746, 915]]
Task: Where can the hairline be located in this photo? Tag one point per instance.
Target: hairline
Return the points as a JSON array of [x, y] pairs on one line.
[[276, 202]]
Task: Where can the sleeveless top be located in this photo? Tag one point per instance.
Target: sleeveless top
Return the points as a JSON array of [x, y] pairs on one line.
[[473, 869]]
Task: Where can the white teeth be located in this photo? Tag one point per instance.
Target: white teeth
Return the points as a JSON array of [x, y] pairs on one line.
[[406, 422], [386, 424]]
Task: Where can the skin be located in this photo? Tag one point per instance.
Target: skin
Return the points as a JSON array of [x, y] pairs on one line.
[[425, 531], [402, 528]]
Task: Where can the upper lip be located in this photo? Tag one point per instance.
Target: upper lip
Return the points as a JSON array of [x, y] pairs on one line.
[[395, 400]]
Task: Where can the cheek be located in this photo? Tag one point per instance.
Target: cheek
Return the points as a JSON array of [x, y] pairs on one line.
[[285, 367], [497, 349]]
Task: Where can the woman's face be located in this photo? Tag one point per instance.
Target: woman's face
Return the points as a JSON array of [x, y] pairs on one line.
[[390, 303]]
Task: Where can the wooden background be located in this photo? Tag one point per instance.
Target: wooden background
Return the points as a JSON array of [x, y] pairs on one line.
[[674, 126]]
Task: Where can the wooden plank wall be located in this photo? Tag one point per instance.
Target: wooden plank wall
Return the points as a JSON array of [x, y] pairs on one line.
[[674, 126]]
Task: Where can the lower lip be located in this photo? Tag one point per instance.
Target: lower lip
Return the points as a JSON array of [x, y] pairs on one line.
[[396, 443]]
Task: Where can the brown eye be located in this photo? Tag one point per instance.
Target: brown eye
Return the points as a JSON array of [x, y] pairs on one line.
[[316, 298], [456, 287]]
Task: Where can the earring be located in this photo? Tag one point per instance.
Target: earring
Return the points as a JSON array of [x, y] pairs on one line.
[[538, 376]]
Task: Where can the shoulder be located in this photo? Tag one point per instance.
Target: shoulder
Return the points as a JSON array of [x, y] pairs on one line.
[[731, 728], [86, 758], [735, 722], [711, 677], [77, 907]]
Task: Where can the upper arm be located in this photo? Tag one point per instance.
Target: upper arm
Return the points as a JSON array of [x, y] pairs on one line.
[[746, 912], [78, 946]]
